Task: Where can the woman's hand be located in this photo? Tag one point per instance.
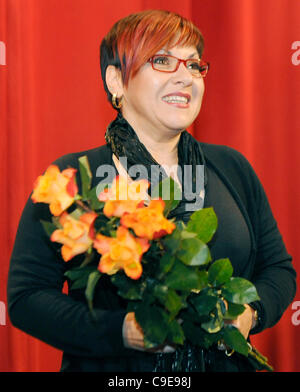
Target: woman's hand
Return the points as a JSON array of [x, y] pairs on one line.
[[134, 337], [244, 322]]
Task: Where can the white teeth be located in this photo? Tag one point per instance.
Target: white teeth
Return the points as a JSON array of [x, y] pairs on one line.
[[175, 99]]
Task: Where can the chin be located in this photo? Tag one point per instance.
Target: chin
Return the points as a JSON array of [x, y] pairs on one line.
[[182, 120], [178, 126]]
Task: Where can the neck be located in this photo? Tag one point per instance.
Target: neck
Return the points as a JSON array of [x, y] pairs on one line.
[[162, 145], [165, 151]]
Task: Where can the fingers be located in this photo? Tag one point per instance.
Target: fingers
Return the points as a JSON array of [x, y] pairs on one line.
[[243, 322], [133, 337], [234, 323], [132, 333], [169, 349], [163, 348]]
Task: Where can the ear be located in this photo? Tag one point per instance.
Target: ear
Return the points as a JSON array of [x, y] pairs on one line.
[[114, 81]]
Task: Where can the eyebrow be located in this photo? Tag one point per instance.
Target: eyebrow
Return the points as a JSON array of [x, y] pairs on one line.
[[189, 57]]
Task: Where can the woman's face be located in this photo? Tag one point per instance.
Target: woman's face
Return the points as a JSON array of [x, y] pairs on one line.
[[145, 105]]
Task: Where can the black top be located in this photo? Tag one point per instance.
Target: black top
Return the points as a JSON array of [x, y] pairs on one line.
[[247, 234]]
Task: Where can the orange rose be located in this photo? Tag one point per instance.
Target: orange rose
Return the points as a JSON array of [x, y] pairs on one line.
[[149, 222], [123, 252], [123, 196], [56, 188], [76, 235]]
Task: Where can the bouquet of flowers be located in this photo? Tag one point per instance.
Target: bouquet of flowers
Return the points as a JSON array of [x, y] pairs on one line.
[[163, 268]]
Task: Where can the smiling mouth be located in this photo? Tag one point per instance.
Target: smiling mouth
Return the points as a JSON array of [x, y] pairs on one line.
[[179, 100], [176, 99]]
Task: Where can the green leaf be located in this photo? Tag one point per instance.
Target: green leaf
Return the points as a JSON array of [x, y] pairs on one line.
[[182, 277], [85, 175], [80, 283], [240, 291], [214, 325], [132, 306], [76, 214], [204, 304], [202, 279], [79, 276], [204, 222], [89, 257], [91, 285], [160, 291], [222, 306], [154, 322], [175, 334], [196, 335], [94, 202], [128, 288], [235, 340], [55, 221], [174, 303], [165, 264], [233, 311], [49, 227], [181, 225], [193, 252], [187, 234], [170, 192], [220, 272], [172, 241]]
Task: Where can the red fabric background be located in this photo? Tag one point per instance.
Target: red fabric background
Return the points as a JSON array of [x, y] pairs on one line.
[[52, 103]]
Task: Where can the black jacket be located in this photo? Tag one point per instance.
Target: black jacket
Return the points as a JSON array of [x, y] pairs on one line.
[[37, 305]]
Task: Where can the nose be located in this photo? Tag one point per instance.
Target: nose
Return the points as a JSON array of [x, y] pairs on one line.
[[183, 75]]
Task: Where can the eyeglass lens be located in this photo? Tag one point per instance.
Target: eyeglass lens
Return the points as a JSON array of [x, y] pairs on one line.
[[169, 64]]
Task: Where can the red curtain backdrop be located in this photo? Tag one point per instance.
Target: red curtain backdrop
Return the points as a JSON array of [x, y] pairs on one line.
[[52, 102]]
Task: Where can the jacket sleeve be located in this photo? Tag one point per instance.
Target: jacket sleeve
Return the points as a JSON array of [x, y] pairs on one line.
[[37, 305], [273, 273], [271, 270]]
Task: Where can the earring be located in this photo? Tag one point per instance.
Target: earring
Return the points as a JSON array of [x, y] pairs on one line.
[[117, 103]]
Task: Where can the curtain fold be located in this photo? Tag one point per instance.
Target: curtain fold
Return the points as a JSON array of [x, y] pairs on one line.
[[52, 102]]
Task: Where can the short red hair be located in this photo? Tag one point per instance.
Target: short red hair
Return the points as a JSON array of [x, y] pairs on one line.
[[136, 38]]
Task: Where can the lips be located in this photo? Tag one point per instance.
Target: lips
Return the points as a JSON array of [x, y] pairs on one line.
[[177, 98]]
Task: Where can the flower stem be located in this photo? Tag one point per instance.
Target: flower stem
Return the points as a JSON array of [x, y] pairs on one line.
[[259, 358], [83, 206]]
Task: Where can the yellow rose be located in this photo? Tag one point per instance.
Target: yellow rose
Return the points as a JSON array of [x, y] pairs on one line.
[[76, 235], [55, 188], [123, 252], [149, 222], [123, 196]]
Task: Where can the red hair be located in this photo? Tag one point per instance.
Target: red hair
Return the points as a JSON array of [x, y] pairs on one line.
[[137, 37]]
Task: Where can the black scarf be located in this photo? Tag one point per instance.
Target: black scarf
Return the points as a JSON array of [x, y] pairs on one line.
[[124, 142]]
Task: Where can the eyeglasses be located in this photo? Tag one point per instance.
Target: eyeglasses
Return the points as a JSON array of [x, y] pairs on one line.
[[167, 63]]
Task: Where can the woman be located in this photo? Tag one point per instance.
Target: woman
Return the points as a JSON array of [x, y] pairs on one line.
[[153, 73]]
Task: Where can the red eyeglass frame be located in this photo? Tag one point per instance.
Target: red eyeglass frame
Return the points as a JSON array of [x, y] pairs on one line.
[[179, 61]]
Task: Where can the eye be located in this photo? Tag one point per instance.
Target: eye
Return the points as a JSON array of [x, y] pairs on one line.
[[163, 60], [195, 65]]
